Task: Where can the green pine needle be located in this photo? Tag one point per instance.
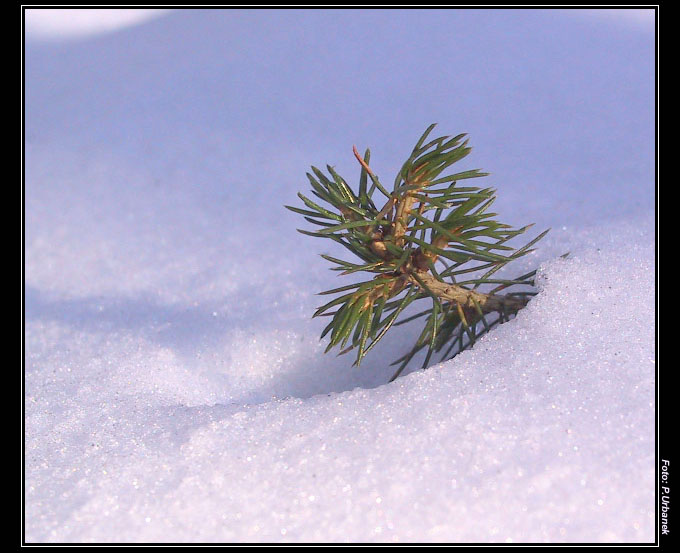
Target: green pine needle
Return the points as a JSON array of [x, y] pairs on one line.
[[415, 246]]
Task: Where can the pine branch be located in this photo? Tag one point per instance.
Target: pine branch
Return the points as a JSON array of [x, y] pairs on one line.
[[420, 225]]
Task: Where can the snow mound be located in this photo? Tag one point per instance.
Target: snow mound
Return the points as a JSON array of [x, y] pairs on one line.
[[541, 431]]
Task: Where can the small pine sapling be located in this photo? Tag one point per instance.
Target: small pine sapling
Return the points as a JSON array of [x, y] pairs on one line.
[[430, 240]]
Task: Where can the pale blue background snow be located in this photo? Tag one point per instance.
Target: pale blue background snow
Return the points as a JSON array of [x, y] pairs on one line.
[[175, 386]]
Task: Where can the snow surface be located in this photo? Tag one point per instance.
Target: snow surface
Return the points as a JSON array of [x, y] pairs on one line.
[[67, 24], [175, 387]]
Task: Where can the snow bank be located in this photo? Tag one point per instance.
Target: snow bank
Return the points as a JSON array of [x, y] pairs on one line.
[[542, 432], [63, 24], [176, 389]]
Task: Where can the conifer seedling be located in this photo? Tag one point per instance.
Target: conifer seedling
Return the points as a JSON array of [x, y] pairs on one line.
[[431, 241]]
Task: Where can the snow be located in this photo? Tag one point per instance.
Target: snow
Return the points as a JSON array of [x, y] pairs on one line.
[[175, 386], [67, 24]]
